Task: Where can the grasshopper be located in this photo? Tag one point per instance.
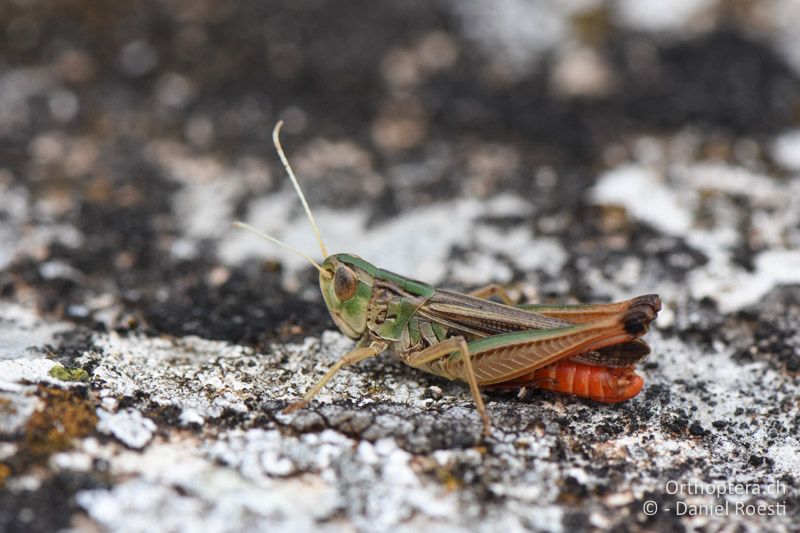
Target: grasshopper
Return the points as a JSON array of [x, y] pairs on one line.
[[585, 350]]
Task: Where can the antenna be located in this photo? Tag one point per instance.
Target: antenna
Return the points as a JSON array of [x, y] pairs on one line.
[[288, 167], [242, 225]]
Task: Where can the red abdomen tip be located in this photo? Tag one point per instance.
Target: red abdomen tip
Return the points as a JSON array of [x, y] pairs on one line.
[[599, 383]]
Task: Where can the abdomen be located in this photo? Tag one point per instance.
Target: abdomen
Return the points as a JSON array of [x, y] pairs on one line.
[[599, 383]]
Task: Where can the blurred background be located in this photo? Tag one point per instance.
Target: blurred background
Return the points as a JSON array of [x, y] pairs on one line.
[[539, 144], [573, 150]]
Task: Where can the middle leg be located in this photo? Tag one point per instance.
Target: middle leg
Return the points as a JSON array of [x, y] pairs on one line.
[[444, 349]]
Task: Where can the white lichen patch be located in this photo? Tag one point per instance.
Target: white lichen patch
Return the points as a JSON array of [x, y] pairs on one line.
[[14, 206], [716, 389], [206, 379], [646, 196], [127, 425], [676, 17], [217, 500], [515, 34], [23, 333], [416, 244], [784, 30], [271, 478], [377, 482], [259, 476], [15, 410], [23, 336], [735, 288], [786, 150], [209, 188], [698, 202], [266, 480], [21, 374], [76, 461], [306, 363], [22, 230], [172, 372], [786, 455]]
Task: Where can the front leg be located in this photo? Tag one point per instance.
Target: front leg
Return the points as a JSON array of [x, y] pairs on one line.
[[445, 349], [357, 355]]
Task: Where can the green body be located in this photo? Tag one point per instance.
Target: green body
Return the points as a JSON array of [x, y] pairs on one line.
[[352, 314], [460, 336], [377, 306]]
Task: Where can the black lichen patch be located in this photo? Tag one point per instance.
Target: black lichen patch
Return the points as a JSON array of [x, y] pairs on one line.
[[161, 295], [250, 307], [697, 82], [680, 424], [415, 431], [54, 297], [661, 520], [701, 322], [694, 82], [575, 521], [605, 238], [51, 506], [771, 330], [71, 344]]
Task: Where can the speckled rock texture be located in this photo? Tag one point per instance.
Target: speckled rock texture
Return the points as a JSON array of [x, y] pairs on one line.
[[571, 151]]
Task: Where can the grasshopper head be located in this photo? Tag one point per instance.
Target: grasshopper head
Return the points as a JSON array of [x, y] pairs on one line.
[[346, 288], [346, 280]]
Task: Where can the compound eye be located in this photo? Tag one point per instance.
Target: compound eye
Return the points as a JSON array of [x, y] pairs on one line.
[[345, 283]]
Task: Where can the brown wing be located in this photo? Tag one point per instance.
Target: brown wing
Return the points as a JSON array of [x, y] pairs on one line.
[[482, 318], [622, 355]]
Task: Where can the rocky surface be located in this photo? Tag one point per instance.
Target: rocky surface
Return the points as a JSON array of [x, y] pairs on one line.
[[588, 152]]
